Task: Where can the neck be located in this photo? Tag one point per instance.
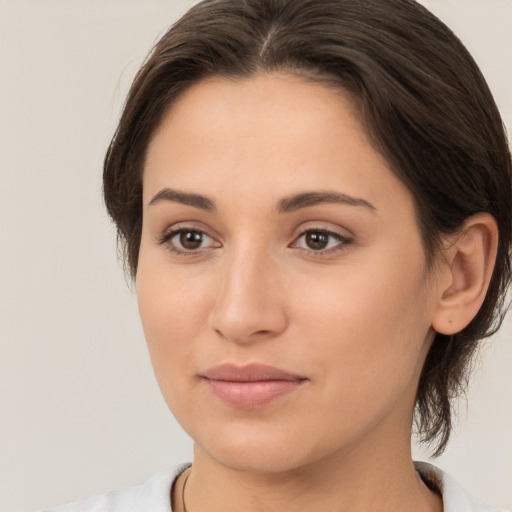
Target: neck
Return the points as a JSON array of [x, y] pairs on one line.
[[345, 482]]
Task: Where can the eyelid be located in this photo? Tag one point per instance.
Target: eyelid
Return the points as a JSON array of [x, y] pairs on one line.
[[343, 241], [168, 234], [164, 238]]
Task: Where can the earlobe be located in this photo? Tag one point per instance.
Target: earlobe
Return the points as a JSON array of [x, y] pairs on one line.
[[470, 258]]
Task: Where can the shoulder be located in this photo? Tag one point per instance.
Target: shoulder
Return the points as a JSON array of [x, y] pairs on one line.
[[455, 498], [151, 496]]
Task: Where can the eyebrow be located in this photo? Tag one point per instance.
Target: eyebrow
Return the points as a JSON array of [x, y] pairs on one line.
[[306, 199], [286, 205], [195, 200]]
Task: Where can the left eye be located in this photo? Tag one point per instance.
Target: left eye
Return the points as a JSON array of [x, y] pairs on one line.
[[320, 240]]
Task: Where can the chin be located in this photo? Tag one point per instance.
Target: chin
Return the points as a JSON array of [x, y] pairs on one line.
[[258, 450], [263, 460]]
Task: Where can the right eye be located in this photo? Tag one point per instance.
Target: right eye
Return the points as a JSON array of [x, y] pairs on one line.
[[187, 241]]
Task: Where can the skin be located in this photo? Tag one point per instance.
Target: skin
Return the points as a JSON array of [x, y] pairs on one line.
[[355, 319]]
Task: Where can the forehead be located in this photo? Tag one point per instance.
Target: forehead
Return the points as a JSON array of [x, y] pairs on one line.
[[267, 104], [272, 133]]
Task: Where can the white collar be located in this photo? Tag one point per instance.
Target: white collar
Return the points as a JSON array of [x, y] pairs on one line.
[[455, 498]]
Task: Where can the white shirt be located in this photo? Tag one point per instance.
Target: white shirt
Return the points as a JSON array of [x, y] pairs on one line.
[[155, 495]]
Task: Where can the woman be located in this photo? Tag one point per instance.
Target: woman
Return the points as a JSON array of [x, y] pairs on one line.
[[314, 199]]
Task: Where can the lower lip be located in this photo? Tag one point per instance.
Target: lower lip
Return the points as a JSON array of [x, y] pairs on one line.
[[251, 395]]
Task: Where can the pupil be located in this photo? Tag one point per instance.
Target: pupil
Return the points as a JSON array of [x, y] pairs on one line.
[[316, 240], [191, 239]]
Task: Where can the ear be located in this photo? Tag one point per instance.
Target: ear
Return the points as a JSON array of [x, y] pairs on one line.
[[469, 262]]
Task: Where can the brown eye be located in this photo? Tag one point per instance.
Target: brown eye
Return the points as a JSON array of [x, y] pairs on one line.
[[316, 240], [185, 241], [191, 240], [322, 241]]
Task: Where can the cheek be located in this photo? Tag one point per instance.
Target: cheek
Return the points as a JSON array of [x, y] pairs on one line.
[[367, 326], [173, 315]]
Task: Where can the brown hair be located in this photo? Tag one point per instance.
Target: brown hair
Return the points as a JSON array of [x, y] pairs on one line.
[[421, 97]]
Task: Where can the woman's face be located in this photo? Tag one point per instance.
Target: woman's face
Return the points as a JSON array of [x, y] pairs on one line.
[[273, 234]]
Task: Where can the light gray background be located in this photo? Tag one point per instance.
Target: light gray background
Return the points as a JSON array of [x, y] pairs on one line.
[[80, 410]]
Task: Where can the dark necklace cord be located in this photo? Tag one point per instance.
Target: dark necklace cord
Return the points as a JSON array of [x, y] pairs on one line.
[[183, 492]]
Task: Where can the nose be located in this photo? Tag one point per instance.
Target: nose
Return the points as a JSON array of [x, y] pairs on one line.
[[250, 303]]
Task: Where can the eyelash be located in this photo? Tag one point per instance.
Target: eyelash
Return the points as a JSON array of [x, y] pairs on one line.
[[166, 237], [341, 245], [342, 241]]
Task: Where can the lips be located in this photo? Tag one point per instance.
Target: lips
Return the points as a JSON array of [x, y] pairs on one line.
[[250, 386]]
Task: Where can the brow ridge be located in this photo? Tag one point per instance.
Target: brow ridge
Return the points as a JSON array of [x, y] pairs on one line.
[[188, 198], [286, 205], [307, 199]]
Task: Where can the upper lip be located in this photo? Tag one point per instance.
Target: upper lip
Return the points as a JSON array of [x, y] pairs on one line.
[[253, 372]]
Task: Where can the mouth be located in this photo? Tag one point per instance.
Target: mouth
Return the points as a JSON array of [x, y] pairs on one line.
[[250, 386]]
